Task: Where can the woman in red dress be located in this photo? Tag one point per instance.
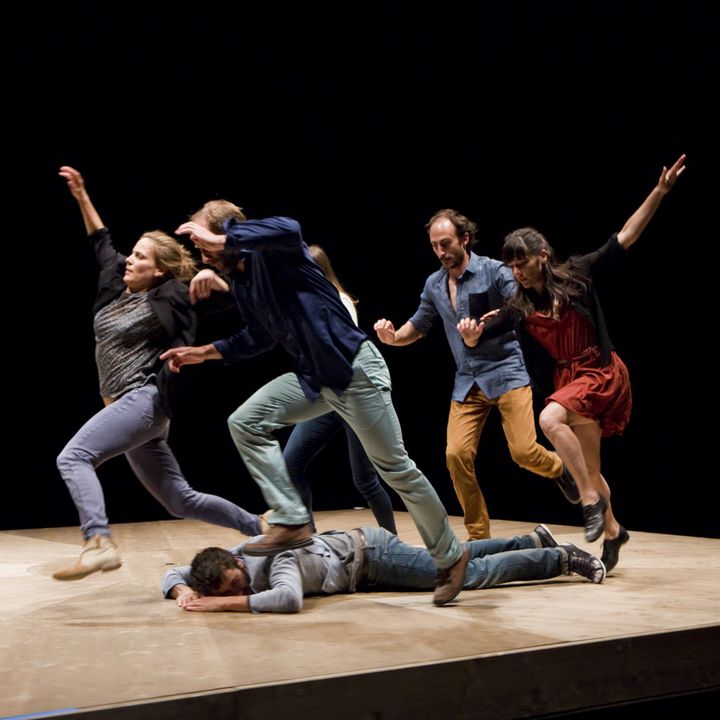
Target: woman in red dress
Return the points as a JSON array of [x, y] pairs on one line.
[[556, 306]]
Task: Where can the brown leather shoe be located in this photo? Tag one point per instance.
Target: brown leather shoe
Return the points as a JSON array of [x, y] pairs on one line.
[[450, 581], [279, 538], [99, 553]]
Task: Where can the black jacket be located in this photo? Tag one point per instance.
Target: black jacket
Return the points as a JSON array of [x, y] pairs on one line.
[[169, 301]]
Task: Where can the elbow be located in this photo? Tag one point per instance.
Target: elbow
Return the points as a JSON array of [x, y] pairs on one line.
[[294, 604], [291, 225]]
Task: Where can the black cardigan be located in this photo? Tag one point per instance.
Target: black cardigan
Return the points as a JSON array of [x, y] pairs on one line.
[[169, 301], [539, 363]]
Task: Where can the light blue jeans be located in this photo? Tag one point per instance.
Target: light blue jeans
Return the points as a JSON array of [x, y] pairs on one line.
[[308, 438], [137, 425], [393, 564], [366, 406]]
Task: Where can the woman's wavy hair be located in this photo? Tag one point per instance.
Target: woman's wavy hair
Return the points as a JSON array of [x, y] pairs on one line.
[[171, 256], [319, 255], [561, 283]]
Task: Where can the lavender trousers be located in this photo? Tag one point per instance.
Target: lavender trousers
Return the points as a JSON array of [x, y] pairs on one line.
[[136, 425]]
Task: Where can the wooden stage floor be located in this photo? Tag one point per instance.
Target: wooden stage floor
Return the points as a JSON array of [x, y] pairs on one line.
[[110, 647]]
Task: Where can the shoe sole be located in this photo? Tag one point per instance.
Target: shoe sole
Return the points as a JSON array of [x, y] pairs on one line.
[[80, 576], [552, 537]]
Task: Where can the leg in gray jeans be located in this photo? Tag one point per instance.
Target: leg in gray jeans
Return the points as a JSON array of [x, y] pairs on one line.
[[136, 425]]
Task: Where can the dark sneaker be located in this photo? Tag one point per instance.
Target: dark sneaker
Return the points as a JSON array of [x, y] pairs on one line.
[[546, 538], [566, 483], [280, 538], [583, 563], [611, 549], [450, 581], [594, 516]]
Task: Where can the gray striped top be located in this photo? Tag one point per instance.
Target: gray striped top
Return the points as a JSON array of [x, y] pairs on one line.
[[128, 339]]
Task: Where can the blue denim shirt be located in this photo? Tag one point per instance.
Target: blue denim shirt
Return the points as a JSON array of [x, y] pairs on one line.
[[497, 365], [284, 297]]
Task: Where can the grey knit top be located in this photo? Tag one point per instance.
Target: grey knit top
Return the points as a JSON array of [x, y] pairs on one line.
[[129, 339]]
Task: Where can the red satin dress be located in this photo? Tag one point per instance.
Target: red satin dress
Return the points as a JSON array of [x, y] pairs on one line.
[[582, 386]]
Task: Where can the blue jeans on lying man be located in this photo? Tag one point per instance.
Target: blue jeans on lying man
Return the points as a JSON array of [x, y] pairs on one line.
[[392, 564]]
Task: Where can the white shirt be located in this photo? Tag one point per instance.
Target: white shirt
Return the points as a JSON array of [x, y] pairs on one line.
[[350, 305]]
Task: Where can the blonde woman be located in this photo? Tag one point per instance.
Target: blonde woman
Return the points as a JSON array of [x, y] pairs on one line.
[[142, 307]]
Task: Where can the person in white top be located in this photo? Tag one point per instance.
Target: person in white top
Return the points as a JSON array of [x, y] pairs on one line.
[[308, 438]]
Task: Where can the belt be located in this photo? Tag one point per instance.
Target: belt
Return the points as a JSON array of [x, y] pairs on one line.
[[588, 352], [358, 570]]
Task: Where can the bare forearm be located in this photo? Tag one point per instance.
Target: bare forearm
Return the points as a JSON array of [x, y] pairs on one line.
[[235, 603], [209, 352], [639, 220], [90, 215], [406, 335]]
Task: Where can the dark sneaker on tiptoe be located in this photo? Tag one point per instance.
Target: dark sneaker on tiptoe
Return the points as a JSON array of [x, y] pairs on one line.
[[594, 517], [611, 549], [566, 483], [583, 563]]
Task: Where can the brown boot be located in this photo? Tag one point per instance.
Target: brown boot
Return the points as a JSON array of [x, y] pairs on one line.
[[99, 553], [450, 581], [279, 538]]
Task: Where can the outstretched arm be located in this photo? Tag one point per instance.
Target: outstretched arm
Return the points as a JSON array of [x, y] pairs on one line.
[[186, 598], [217, 603], [404, 335], [638, 221], [186, 355], [76, 184]]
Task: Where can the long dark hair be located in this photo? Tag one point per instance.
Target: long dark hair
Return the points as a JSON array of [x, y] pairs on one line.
[[319, 255], [561, 283]]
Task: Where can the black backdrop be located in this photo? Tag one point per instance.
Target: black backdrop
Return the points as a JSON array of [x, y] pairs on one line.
[[360, 119]]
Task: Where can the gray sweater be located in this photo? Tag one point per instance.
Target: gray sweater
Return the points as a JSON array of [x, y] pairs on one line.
[[279, 583]]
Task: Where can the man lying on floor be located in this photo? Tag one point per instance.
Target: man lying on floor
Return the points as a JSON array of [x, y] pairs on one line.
[[367, 559]]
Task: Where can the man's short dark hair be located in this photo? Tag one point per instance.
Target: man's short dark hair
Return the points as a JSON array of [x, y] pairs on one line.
[[207, 569], [461, 223]]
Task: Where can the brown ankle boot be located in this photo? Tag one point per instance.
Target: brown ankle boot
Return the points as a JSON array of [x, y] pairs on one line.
[[279, 538], [99, 553], [451, 581]]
